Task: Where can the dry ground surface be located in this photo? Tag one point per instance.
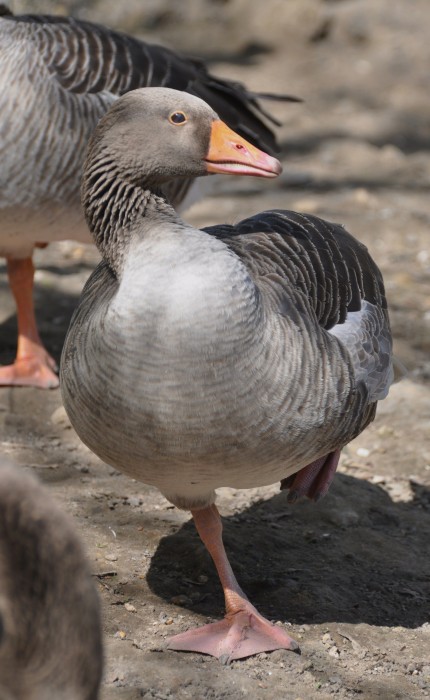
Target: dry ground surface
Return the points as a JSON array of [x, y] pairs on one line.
[[349, 578]]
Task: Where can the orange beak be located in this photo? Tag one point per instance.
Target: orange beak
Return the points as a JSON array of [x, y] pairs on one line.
[[230, 153]]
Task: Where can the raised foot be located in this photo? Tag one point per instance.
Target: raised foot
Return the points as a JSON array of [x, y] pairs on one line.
[[313, 480], [237, 636], [30, 371]]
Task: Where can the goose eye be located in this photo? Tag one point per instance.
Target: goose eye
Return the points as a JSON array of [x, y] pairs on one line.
[[177, 118]]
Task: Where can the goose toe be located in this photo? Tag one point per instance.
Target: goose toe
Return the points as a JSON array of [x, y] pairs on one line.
[[30, 371]]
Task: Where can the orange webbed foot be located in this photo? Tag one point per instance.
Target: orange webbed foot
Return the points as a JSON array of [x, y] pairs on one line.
[[238, 635], [33, 370]]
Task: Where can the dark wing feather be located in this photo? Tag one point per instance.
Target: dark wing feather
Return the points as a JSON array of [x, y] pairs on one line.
[[89, 58], [319, 260], [311, 266]]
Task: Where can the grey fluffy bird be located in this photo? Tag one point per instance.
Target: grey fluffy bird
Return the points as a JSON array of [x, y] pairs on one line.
[[58, 76], [236, 355], [50, 629]]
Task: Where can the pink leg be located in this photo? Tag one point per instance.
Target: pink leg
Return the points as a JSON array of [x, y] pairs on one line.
[[314, 480], [33, 366], [243, 631]]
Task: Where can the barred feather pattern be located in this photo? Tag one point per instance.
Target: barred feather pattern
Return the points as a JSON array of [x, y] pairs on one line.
[[58, 77], [112, 204], [216, 365], [89, 58], [310, 261]]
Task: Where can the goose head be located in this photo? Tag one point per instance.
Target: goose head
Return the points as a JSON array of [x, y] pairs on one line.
[[153, 135]]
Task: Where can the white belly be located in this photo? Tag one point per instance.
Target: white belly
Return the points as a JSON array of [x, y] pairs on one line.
[[21, 228]]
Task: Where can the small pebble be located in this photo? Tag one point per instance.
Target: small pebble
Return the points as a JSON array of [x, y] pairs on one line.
[[306, 666], [377, 479], [83, 468], [130, 608], [279, 656], [134, 501], [111, 557], [385, 431], [59, 417], [180, 600], [363, 452], [344, 518]]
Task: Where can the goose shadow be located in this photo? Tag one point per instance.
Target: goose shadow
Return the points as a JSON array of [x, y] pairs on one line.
[[356, 557]]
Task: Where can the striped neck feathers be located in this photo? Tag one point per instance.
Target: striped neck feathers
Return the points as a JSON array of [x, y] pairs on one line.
[[114, 203]]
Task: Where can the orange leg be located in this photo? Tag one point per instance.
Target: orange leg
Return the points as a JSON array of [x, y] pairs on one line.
[[33, 365], [243, 631]]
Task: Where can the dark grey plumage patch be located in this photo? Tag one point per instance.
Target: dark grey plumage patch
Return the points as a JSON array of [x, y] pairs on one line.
[[326, 266], [87, 58], [50, 628]]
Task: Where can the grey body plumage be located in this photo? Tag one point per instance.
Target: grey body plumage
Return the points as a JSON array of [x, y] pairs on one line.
[[58, 77], [50, 628], [199, 359]]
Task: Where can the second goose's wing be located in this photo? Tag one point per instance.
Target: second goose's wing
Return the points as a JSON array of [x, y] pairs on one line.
[[89, 58]]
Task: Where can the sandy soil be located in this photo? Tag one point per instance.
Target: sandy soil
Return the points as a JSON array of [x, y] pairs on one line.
[[349, 578]]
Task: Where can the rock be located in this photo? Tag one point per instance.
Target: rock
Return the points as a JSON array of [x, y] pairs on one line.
[[83, 468], [307, 666], [279, 656], [344, 518], [377, 479], [111, 557], [59, 417], [133, 501], [363, 452], [181, 600]]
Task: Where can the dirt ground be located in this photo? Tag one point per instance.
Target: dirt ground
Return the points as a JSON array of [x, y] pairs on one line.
[[350, 577]]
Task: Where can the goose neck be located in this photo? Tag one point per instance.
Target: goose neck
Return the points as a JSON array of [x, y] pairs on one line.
[[116, 206]]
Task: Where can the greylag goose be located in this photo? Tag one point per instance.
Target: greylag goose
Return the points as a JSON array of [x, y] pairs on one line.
[[229, 356], [50, 629], [58, 76]]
